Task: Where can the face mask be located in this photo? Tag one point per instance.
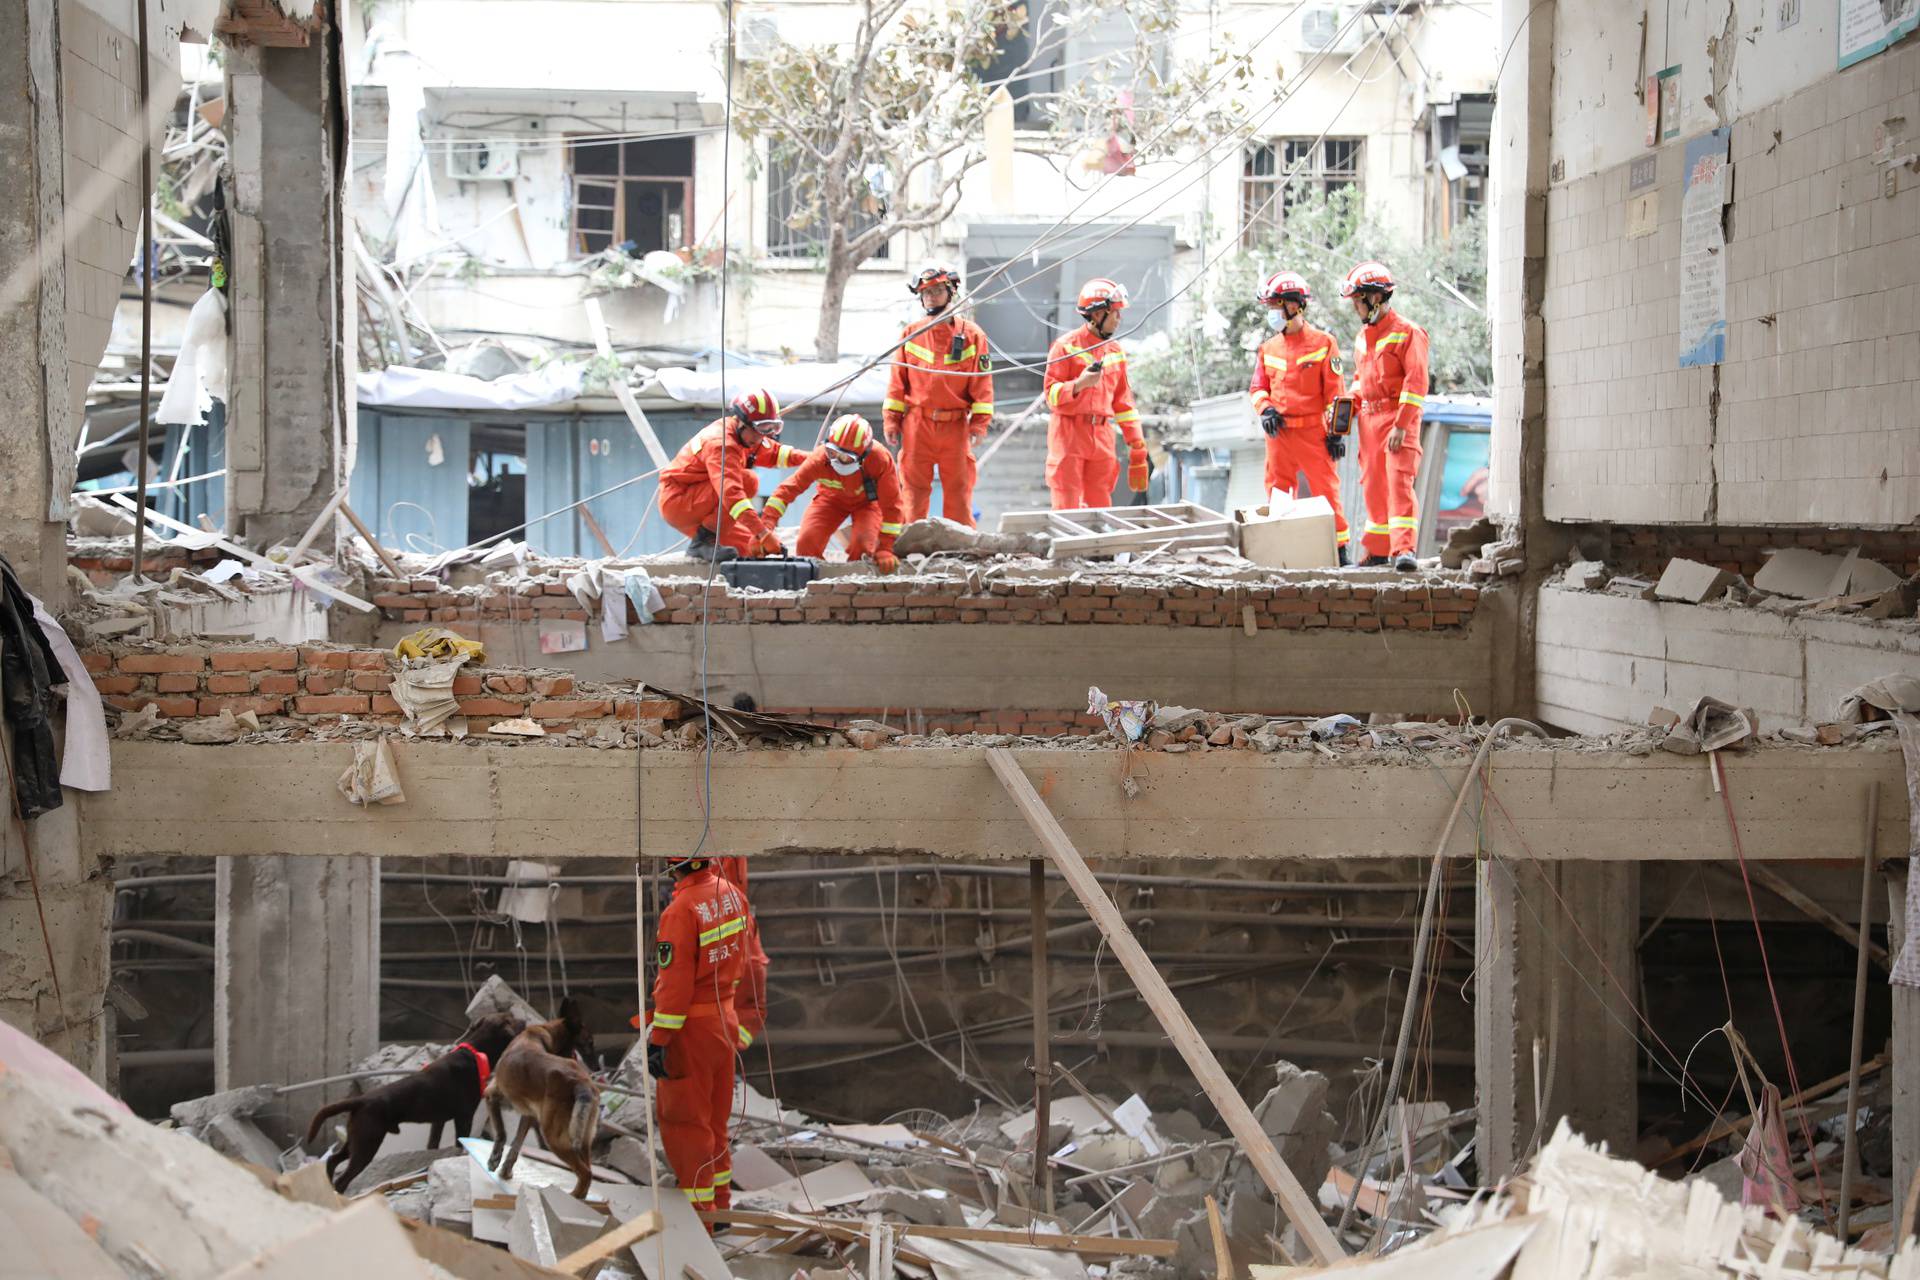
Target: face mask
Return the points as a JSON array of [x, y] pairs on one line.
[[1276, 319], [843, 466]]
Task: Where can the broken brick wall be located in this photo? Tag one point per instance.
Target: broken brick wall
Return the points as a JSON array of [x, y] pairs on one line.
[[1643, 550]]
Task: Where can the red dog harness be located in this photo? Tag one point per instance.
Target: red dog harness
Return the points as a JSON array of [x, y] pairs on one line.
[[479, 1062]]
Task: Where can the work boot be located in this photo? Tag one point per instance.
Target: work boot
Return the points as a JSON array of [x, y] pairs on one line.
[[1405, 563], [1346, 557], [701, 543], [1374, 562]]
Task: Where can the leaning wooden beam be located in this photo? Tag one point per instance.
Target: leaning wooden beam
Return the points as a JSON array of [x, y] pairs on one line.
[[1728, 1128], [1293, 1199], [631, 1231], [386, 558], [1779, 886]]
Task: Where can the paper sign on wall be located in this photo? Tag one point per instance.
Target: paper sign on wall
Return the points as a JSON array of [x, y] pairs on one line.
[[1643, 197], [1868, 26], [1669, 81], [1703, 256]]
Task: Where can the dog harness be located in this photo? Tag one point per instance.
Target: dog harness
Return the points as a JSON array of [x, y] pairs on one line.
[[479, 1061]]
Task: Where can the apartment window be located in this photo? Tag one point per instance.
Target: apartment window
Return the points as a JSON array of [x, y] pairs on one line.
[[636, 193], [790, 234], [1028, 63], [1458, 137], [1319, 166]]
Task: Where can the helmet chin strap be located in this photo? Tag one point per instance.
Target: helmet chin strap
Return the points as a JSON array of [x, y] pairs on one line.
[[1376, 307]]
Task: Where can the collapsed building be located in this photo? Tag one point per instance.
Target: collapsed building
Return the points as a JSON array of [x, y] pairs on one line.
[[1598, 825]]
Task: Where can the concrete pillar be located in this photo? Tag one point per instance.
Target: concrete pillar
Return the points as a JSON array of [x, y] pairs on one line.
[[1906, 1047], [1543, 998], [290, 412], [296, 972]]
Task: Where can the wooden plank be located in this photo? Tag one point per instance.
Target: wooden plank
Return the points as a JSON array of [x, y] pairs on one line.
[[632, 1231], [387, 561], [1731, 1127], [1781, 887], [1222, 1256], [469, 1259], [599, 534], [1220, 534], [1293, 1199], [1105, 1246], [782, 1223], [243, 553], [622, 392]]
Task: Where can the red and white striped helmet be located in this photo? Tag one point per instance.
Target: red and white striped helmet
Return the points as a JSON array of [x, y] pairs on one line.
[[759, 411], [851, 433], [1280, 284], [1368, 275], [1101, 292]]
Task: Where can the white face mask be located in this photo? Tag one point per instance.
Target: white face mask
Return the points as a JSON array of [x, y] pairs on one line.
[[1276, 319], [844, 466]]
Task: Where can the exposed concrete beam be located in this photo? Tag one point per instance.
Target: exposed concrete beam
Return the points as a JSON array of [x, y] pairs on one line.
[[554, 802]]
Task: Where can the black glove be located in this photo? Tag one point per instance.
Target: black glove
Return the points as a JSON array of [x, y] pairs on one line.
[[1270, 420], [1336, 446], [657, 1061]]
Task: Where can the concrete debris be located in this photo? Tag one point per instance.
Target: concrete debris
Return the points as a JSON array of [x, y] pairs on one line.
[[518, 728], [224, 728], [495, 996], [138, 724], [232, 1136], [1585, 575], [1806, 574], [1465, 541], [1691, 582], [936, 535]]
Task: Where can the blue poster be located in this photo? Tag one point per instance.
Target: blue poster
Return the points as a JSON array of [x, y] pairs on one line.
[[1703, 252], [1868, 26]]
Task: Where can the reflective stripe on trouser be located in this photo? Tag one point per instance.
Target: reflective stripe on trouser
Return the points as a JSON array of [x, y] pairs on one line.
[[947, 447], [1387, 480], [694, 1102], [1301, 452], [817, 527], [690, 507]]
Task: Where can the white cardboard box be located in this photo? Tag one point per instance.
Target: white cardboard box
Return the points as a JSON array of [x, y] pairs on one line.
[[1288, 533]]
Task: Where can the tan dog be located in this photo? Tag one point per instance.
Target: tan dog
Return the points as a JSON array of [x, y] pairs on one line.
[[540, 1077]]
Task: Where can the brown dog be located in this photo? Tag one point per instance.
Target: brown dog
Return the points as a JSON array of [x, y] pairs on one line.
[[540, 1077], [448, 1088]]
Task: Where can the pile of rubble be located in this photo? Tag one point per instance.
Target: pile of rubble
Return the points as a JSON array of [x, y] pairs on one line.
[[1794, 582]]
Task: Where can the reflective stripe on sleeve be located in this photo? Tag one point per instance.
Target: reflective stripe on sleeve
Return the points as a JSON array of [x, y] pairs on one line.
[[1054, 393], [982, 407], [892, 529], [1130, 415], [733, 512], [1407, 397], [894, 406], [746, 1038], [788, 456], [670, 1021], [777, 505], [1261, 400]]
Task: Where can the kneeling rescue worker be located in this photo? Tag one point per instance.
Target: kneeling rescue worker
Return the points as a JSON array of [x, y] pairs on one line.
[[1390, 385], [1088, 391], [939, 398], [1296, 375], [856, 480], [711, 478], [702, 955]]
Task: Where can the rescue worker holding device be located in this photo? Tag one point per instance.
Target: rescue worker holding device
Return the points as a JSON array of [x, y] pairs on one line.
[[855, 480], [1088, 391], [1296, 378], [1390, 386], [939, 398], [711, 478]]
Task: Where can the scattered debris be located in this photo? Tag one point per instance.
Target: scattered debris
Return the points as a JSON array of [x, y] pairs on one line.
[[936, 535], [1585, 575], [522, 727], [1711, 725], [372, 778], [1464, 542], [1691, 582]]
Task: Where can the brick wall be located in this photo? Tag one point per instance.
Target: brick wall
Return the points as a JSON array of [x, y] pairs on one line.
[[1814, 420], [316, 684], [1359, 606], [1645, 551], [105, 568]]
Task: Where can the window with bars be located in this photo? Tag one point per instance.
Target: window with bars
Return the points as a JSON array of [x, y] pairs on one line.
[[1319, 166], [637, 193], [791, 235]]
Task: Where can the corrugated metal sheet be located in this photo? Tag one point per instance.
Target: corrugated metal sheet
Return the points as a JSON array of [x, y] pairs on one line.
[[409, 501], [206, 448]]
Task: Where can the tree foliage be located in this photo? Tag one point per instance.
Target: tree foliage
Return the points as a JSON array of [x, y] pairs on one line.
[[1321, 238], [879, 133]]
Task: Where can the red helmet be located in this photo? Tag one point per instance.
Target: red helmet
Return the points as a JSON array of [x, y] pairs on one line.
[[1280, 284], [851, 433], [757, 410], [935, 273], [1368, 275], [1101, 292]]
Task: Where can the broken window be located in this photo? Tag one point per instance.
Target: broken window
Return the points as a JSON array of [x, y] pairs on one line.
[[1458, 134], [794, 228], [1318, 168], [635, 193]]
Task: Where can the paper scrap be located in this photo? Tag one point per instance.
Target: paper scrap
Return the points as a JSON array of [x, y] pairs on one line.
[[564, 636]]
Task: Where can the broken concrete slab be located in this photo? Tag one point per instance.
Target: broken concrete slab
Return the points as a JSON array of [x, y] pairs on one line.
[[684, 1246], [391, 1165], [1585, 575], [1692, 582], [198, 1113], [42, 1241], [1294, 1113], [241, 1140], [362, 1239], [1805, 574], [936, 534], [929, 1208], [495, 996]]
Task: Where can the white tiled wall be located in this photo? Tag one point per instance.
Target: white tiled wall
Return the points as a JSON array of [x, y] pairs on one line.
[[1819, 416]]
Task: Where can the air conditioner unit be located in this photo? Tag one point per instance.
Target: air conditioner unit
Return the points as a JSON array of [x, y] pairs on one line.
[[1331, 31], [483, 159]]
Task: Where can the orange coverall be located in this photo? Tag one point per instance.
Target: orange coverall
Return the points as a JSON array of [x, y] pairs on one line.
[[702, 953], [1299, 374], [936, 414], [870, 497], [1082, 462], [750, 997], [698, 481], [1390, 384]]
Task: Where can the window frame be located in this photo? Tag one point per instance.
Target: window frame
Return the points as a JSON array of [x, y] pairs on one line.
[[1259, 214], [618, 180]]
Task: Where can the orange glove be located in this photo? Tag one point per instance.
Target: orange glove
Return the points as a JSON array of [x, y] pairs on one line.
[[769, 545], [1137, 468], [885, 561]]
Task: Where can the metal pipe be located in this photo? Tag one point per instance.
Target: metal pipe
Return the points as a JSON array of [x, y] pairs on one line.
[[166, 940], [1042, 1046], [146, 297]]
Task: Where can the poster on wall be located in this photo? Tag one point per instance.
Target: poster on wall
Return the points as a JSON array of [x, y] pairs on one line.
[[1703, 256], [1643, 197], [1868, 26], [1669, 81]]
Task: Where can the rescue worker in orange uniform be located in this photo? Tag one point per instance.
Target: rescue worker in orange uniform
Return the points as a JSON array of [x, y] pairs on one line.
[[1390, 391], [856, 480], [750, 997], [704, 942], [1088, 392], [1296, 375], [711, 478], [939, 399]]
